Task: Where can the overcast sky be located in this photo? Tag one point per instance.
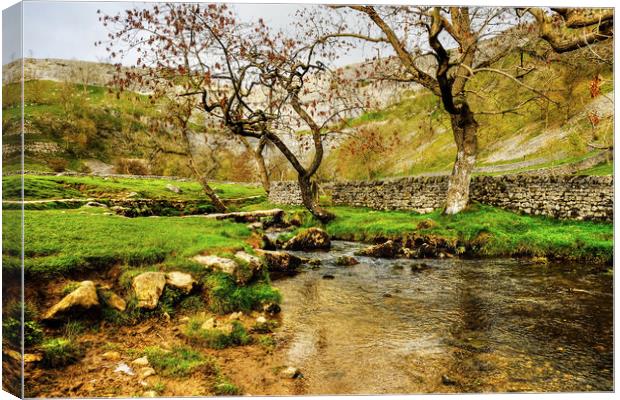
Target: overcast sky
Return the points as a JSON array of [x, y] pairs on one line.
[[68, 30]]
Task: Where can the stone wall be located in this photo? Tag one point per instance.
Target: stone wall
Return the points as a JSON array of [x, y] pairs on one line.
[[560, 196]]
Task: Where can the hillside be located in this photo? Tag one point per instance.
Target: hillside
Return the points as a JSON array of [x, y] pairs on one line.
[[73, 122]]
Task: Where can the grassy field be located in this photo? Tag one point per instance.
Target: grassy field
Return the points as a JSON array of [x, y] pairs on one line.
[[66, 187]]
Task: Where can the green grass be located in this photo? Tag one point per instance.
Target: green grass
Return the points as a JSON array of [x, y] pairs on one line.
[[599, 170], [491, 231], [178, 362], [226, 296], [65, 241], [59, 352], [64, 187], [216, 338]]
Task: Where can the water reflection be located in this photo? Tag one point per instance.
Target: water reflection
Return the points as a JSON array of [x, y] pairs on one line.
[[495, 325]]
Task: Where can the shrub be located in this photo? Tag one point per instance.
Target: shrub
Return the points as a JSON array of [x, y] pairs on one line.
[[11, 325], [59, 352], [131, 166]]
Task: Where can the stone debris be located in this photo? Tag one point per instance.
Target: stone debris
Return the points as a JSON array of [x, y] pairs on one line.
[[124, 368], [180, 280], [310, 239]]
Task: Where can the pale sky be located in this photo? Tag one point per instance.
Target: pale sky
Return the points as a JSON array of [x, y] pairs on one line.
[[68, 30]]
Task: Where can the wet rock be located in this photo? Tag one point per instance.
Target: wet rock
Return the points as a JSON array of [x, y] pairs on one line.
[[310, 239], [290, 373], [148, 287], [81, 299], [388, 249], [428, 246], [346, 261], [114, 301], [145, 372], [174, 189], [111, 355], [314, 262], [272, 308], [267, 243], [446, 380], [328, 276], [141, 362], [280, 261], [180, 280]]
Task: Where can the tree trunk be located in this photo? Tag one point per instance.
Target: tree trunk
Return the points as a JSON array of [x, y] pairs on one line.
[[260, 162], [217, 202], [310, 199], [465, 129]]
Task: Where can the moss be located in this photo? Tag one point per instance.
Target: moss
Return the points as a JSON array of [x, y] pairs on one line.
[[179, 361], [59, 352]]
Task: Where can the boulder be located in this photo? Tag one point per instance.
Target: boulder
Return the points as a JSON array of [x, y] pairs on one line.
[[145, 372], [81, 299], [148, 287], [180, 280], [310, 239], [346, 261], [280, 261], [290, 373], [227, 266], [268, 244], [141, 362], [388, 249], [111, 355], [174, 189]]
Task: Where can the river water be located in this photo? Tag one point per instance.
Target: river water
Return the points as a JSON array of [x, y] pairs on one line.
[[383, 327]]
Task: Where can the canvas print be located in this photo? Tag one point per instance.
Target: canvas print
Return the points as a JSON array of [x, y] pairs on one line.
[[226, 199]]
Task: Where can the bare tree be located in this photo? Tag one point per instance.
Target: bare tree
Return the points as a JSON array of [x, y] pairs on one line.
[[250, 81], [443, 49]]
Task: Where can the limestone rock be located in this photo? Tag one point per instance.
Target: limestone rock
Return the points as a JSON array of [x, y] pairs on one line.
[[290, 373], [236, 316], [227, 266], [180, 280], [174, 189], [148, 286], [111, 355], [388, 249], [81, 299], [310, 239], [141, 362], [145, 372], [115, 301], [94, 204], [149, 393], [255, 263], [279, 261]]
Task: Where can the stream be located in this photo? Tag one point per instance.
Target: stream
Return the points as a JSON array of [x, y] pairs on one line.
[[496, 325]]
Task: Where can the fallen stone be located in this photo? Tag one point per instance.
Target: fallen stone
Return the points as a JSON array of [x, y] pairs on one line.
[[148, 287], [81, 299], [111, 355], [261, 320], [236, 316], [267, 244], [145, 372], [310, 239], [141, 362], [227, 266], [388, 249], [180, 280], [280, 261], [346, 261], [290, 373], [115, 301], [314, 262], [149, 393], [174, 189]]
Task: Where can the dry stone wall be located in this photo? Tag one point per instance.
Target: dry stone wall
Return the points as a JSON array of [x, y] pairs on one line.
[[560, 196]]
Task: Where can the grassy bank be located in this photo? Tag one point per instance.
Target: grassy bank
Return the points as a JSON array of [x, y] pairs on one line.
[[67, 187]]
